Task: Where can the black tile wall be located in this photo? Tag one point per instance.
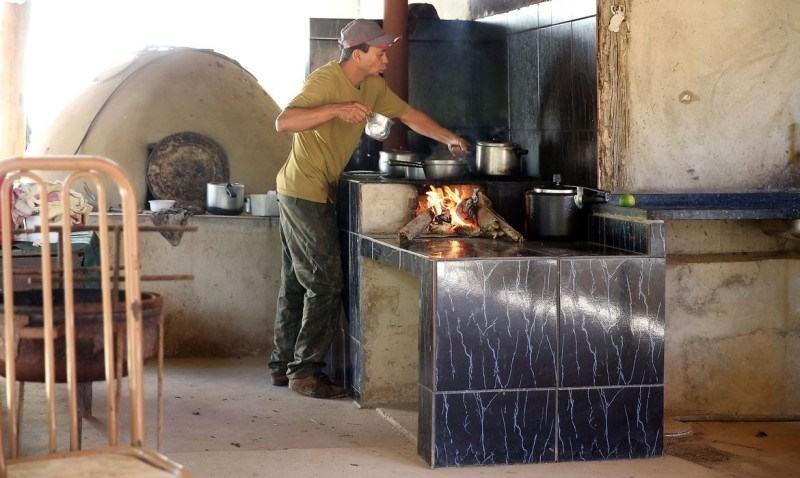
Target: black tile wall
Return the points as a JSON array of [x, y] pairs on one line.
[[529, 140], [583, 99], [568, 10], [495, 325], [610, 423], [555, 43], [553, 87], [611, 322], [494, 427], [524, 80]]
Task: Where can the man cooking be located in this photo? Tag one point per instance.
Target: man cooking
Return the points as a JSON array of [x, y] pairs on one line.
[[327, 119]]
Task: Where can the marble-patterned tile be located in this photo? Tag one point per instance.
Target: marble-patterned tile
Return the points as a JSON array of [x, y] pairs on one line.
[[354, 365], [425, 425], [426, 321], [354, 288], [489, 428], [611, 322], [367, 247], [412, 263], [610, 423], [387, 255], [343, 205], [355, 206], [495, 324], [336, 360], [657, 240]]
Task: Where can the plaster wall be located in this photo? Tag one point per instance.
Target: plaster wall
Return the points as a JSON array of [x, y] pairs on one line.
[[229, 307], [390, 335], [738, 126], [732, 327]]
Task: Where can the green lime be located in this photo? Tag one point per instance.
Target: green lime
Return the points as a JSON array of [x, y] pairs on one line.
[[627, 200]]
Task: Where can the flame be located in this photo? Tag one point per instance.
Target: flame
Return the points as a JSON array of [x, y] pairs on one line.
[[445, 200]]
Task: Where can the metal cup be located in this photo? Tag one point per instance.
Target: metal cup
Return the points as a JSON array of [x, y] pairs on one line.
[[378, 126]]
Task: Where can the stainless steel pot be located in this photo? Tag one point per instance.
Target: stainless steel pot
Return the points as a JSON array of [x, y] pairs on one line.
[[411, 169], [498, 159], [558, 212], [445, 168], [225, 198], [388, 162]]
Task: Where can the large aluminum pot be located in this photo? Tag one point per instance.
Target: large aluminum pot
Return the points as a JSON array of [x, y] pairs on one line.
[[391, 162], [558, 212], [498, 159], [225, 198], [453, 168]]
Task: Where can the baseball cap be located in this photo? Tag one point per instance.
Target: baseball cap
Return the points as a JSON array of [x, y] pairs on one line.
[[365, 31]]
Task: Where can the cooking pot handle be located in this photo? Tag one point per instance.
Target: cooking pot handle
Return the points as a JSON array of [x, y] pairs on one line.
[[231, 192], [520, 151]]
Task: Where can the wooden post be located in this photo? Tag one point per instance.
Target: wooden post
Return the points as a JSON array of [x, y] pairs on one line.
[[13, 29], [395, 21], [613, 114]]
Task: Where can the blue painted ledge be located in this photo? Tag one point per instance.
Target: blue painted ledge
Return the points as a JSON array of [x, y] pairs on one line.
[[709, 205]]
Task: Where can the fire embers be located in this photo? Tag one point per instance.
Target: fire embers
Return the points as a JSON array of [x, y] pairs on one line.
[[453, 209], [457, 210]]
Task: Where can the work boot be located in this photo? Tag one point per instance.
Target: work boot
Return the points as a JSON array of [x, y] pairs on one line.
[[279, 379], [317, 386]]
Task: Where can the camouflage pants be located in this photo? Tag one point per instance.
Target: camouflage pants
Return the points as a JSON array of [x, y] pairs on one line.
[[309, 300]]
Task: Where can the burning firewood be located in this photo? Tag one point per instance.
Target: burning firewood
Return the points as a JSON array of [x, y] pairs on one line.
[[414, 228], [491, 223], [463, 211]]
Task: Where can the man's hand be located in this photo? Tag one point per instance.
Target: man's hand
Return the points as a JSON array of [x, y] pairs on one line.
[[352, 112], [458, 146]]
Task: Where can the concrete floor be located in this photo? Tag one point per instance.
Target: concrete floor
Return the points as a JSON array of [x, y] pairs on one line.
[[223, 420]]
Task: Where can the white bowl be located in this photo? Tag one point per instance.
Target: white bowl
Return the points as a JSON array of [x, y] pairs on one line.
[[161, 204]]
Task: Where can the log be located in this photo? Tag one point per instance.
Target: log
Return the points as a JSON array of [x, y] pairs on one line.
[[414, 228], [491, 222]]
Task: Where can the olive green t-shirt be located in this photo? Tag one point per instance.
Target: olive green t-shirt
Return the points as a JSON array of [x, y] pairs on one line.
[[319, 155]]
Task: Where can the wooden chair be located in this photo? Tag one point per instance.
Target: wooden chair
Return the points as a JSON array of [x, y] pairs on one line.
[[115, 459]]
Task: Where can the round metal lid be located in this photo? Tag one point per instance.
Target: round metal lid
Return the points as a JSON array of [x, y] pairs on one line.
[[489, 144], [556, 190]]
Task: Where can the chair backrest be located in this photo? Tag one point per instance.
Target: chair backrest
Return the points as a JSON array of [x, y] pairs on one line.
[[96, 170]]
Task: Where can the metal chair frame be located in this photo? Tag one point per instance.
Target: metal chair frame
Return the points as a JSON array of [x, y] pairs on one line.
[[93, 169]]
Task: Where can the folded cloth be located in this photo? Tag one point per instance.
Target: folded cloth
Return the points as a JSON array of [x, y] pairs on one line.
[[171, 217]]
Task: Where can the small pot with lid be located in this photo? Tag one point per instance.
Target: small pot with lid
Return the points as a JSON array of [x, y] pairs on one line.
[[225, 198], [559, 212], [498, 159]]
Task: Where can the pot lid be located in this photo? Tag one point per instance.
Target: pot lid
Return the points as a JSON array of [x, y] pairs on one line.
[[180, 166], [489, 144], [556, 190]]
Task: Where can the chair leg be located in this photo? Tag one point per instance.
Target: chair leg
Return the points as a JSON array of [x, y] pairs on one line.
[[84, 407], [20, 401], [85, 398]]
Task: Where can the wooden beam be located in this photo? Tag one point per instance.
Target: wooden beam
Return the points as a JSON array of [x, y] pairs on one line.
[[13, 29], [613, 114]]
